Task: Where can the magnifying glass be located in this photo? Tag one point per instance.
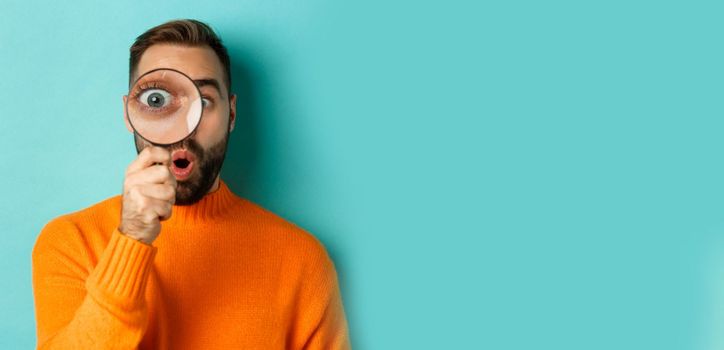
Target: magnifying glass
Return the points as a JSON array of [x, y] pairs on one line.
[[164, 106]]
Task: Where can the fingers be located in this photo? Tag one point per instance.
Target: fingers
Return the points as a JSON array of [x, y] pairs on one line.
[[149, 193], [163, 192], [162, 208], [149, 156], [171, 180], [155, 174], [145, 204]]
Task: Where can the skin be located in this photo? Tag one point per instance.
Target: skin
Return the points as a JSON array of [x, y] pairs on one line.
[[149, 189]]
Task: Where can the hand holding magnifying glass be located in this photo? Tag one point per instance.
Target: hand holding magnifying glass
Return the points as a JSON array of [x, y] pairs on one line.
[[164, 107]]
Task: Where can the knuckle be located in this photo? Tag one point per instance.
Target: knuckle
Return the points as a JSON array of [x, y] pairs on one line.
[[134, 191], [165, 171], [168, 191], [143, 203], [149, 218], [158, 171]]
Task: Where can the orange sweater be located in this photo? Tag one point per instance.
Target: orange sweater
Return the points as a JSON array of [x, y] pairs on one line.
[[224, 273]]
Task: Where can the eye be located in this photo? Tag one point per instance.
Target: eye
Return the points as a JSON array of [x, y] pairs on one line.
[[205, 101], [155, 98]]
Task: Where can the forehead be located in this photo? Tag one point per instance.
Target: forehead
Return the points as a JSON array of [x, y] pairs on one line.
[[198, 62]]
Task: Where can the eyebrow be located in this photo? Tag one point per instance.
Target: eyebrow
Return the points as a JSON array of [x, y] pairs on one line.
[[210, 81]]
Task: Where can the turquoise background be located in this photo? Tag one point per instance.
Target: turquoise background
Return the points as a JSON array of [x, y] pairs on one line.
[[486, 175]]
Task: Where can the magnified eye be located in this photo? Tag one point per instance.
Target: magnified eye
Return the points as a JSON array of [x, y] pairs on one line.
[[155, 98]]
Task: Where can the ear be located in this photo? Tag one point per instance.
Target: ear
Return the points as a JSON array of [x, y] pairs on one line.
[[125, 114], [232, 112]]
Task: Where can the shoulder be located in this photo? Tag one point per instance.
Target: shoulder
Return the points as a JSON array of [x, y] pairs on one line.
[[292, 240], [79, 228], [303, 260]]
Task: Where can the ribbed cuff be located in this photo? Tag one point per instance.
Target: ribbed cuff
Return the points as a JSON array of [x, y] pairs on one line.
[[119, 279]]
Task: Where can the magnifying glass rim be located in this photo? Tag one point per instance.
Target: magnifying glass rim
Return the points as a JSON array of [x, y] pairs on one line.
[[129, 98]]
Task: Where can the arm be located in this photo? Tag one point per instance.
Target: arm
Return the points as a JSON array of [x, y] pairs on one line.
[[103, 308], [330, 329]]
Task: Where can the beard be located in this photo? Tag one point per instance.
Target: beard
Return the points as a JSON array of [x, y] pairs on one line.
[[206, 168]]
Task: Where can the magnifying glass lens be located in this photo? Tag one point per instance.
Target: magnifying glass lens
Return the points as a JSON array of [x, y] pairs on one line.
[[164, 106]]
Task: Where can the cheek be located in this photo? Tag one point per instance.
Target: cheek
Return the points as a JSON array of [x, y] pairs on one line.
[[212, 129]]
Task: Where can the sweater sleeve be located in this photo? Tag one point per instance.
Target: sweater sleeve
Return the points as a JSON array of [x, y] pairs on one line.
[[78, 307], [330, 330]]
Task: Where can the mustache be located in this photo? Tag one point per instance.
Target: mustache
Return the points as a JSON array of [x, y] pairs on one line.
[[189, 144]]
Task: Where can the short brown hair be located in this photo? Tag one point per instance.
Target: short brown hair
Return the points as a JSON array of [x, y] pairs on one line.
[[189, 32]]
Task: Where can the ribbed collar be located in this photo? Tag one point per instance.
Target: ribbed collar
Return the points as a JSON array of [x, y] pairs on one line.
[[212, 206]]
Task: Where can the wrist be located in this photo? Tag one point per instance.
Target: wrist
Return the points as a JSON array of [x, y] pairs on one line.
[[131, 235]]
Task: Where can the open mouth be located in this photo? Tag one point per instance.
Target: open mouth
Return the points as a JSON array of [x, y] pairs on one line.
[[182, 163]]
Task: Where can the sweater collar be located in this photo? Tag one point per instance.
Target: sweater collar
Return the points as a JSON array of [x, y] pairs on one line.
[[212, 206]]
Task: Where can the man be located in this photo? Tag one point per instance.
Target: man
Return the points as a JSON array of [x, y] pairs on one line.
[[220, 273]]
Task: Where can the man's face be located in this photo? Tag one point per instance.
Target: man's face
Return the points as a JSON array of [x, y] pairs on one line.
[[204, 150]]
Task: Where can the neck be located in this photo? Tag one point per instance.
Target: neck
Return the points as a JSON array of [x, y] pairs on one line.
[[215, 186]]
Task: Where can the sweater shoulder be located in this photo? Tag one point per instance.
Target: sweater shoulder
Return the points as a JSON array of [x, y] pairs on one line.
[[81, 228], [293, 238], [107, 209]]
